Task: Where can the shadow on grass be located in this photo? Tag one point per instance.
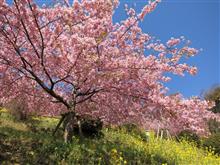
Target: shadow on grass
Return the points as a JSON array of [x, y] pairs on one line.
[[11, 144], [17, 146]]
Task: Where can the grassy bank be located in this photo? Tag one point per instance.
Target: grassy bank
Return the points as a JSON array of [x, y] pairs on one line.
[[31, 142]]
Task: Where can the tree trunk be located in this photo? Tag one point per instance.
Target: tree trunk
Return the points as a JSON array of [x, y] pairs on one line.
[[80, 128], [58, 125], [71, 122], [68, 125]]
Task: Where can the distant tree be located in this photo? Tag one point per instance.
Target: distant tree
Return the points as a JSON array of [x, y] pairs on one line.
[[72, 59], [214, 95]]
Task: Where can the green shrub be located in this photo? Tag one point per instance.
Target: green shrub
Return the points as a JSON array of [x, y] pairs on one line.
[[214, 142], [189, 136], [216, 108], [135, 130], [214, 95], [91, 127], [214, 126]]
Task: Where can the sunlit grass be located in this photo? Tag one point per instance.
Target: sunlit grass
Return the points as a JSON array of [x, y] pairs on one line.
[[20, 144]]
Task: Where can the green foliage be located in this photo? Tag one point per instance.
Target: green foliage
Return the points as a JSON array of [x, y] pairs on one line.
[[119, 146], [214, 126], [189, 136], [214, 142], [91, 127], [214, 95], [135, 130], [216, 108]]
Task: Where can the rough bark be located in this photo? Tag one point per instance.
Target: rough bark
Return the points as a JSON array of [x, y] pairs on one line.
[[70, 123]]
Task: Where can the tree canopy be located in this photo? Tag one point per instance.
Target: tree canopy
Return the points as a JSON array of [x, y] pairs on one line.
[[72, 57]]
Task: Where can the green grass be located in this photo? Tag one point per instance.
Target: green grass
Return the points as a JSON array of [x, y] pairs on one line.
[[31, 142]]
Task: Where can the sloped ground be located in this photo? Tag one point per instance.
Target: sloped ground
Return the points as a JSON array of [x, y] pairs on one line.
[[31, 142]]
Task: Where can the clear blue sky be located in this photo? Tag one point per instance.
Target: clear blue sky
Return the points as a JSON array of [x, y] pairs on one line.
[[197, 20]]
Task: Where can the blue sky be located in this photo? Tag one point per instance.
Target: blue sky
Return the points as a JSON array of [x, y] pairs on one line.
[[197, 20]]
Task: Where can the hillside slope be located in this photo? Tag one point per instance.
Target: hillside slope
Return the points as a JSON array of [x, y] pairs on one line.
[[31, 142]]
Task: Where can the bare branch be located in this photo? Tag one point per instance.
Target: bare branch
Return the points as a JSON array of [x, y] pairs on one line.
[[26, 31], [89, 95]]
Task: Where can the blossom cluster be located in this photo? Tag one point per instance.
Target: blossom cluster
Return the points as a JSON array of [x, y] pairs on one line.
[[73, 55]]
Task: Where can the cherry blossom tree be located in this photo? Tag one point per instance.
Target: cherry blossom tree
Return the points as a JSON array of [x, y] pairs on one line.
[[73, 58]]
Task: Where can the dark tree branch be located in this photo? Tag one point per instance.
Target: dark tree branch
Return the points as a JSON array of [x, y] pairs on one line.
[[129, 28], [58, 125], [88, 95], [26, 31]]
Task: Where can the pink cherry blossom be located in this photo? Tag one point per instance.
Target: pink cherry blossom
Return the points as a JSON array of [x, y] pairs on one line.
[[173, 42], [148, 8], [74, 58]]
